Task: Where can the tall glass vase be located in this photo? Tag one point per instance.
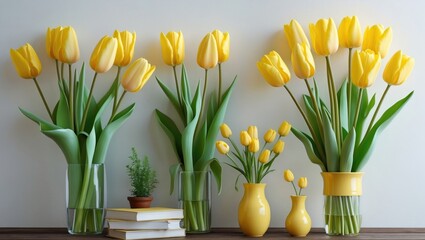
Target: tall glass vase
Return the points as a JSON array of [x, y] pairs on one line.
[[85, 198], [342, 192], [195, 199]]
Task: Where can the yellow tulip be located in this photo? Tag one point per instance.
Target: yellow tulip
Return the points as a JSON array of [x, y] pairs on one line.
[[51, 37], [26, 61], [278, 147], [125, 48], [225, 130], [269, 136], [398, 68], [172, 46], [350, 33], [223, 45], [274, 69], [245, 138], [295, 34], [302, 182], [254, 146], [103, 55], [365, 67], [222, 147], [264, 156], [136, 75], [288, 175], [207, 52], [253, 131], [377, 39], [284, 129], [65, 45], [324, 37], [303, 61]]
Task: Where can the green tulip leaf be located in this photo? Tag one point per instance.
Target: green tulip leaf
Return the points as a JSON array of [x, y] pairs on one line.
[[216, 170], [308, 145], [331, 145], [174, 170], [347, 152], [342, 102], [173, 99], [80, 98], [172, 131], [62, 113], [91, 146], [185, 89], [200, 136], [67, 142], [38, 120]]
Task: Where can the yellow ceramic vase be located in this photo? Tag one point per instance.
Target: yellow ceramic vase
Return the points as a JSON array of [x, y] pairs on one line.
[[254, 210], [298, 222]]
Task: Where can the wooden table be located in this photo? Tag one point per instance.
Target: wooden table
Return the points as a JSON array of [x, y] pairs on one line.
[[219, 233]]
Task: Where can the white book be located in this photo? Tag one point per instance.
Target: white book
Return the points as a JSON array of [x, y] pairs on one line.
[[135, 225], [146, 234], [144, 214]]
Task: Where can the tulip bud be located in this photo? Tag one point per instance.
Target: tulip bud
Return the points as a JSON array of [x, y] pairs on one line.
[[273, 69], [245, 138], [103, 55], [278, 147], [125, 47], [225, 130], [264, 156], [324, 37], [253, 131], [365, 66], [207, 52], [222, 147], [65, 45], [269, 136], [398, 68], [26, 61], [51, 37], [350, 33], [223, 45], [377, 39], [284, 129], [254, 146], [295, 34], [303, 61], [288, 175], [302, 182], [136, 75], [172, 46]]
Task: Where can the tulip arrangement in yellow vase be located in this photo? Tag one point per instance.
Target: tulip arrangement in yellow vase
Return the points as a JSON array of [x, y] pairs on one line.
[[75, 121], [339, 138], [193, 134]]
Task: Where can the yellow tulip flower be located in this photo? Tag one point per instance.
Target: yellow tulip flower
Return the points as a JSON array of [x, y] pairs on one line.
[[51, 37], [295, 34], [103, 55], [225, 130], [125, 48], [253, 131], [26, 61], [303, 61], [302, 182], [136, 75], [222, 147], [264, 156], [365, 67], [254, 146], [269, 136], [377, 39], [223, 45], [284, 129], [398, 68], [278, 147], [288, 175], [172, 46], [324, 37], [207, 52], [274, 69], [350, 33], [65, 45], [245, 138]]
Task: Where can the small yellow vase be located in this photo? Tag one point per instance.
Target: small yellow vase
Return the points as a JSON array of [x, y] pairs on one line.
[[254, 210], [298, 222]]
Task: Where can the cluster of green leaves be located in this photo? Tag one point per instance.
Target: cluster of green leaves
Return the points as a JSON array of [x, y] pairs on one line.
[[142, 176]]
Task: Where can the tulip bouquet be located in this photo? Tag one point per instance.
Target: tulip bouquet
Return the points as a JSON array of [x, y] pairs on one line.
[[75, 123], [339, 138], [289, 177], [252, 166], [193, 134]]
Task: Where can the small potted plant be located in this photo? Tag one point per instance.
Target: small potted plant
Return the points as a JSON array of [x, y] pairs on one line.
[[142, 180]]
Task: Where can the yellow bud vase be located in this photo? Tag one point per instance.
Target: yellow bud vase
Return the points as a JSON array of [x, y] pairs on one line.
[[254, 210], [342, 192], [298, 222]]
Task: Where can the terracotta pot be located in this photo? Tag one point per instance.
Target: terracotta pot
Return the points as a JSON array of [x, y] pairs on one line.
[[140, 202]]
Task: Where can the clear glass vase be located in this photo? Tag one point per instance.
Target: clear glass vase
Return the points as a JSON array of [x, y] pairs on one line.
[[85, 198], [195, 200]]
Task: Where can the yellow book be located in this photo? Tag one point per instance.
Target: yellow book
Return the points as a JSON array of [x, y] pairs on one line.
[[144, 214], [138, 225]]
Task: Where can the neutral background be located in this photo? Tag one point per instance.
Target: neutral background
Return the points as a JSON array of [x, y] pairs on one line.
[[32, 169]]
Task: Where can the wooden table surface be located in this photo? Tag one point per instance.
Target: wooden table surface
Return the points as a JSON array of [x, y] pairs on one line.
[[219, 233]]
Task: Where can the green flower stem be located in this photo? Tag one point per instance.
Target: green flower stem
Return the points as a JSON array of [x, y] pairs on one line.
[[203, 100], [43, 98], [79, 214], [295, 188], [378, 107], [116, 84], [334, 102], [349, 86], [86, 110], [57, 70], [358, 107], [313, 99], [342, 215], [71, 97], [117, 107], [219, 83], [177, 87]]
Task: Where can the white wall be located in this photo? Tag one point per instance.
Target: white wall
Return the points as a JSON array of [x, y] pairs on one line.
[[32, 172]]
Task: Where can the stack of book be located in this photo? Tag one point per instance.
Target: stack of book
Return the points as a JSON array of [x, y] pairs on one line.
[[144, 223]]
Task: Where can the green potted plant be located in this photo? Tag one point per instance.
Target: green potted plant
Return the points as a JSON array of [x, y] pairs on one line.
[[142, 180]]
